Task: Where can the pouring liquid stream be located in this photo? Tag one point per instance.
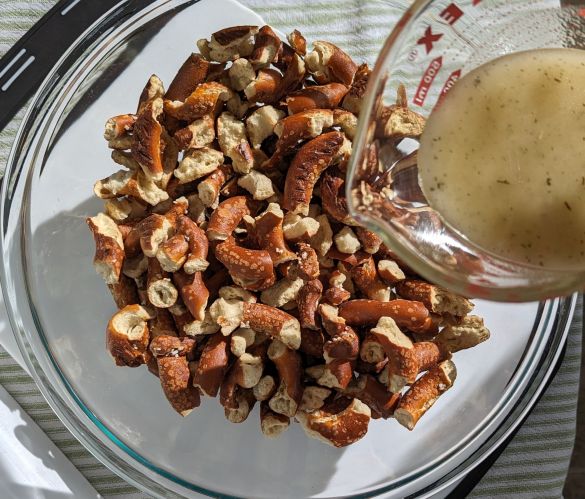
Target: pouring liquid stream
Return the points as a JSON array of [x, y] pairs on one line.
[[502, 159]]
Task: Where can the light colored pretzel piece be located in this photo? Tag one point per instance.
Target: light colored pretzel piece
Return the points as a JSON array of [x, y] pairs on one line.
[[206, 326], [347, 121], [339, 423], [322, 240], [127, 336], [298, 228], [241, 339], [130, 183], [467, 333], [346, 241], [328, 63], [288, 396], [198, 134], [198, 163], [260, 124], [229, 43], [424, 393], [154, 89], [125, 210], [257, 184], [227, 314], [314, 398], [241, 74], [272, 424], [119, 126], [273, 322], [282, 292], [265, 388], [109, 247], [161, 291], [436, 299], [231, 135], [390, 272]]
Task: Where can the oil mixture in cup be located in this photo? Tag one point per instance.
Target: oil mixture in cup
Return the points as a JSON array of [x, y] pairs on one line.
[[502, 159]]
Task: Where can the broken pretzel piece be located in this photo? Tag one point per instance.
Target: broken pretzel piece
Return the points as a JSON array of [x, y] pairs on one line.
[[436, 299], [229, 43], [308, 164], [250, 269], [339, 423], [127, 336], [202, 101], [318, 97], [424, 393], [273, 322], [272, 424], [109, 247], [467, 333], [231, 135], [328, 63], [288, 363], [212, 365]]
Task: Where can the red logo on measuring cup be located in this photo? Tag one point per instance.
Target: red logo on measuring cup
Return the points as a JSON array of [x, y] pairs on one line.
[[427, 81]]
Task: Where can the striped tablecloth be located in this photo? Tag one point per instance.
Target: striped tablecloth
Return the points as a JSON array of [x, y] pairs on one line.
[[535, 463]]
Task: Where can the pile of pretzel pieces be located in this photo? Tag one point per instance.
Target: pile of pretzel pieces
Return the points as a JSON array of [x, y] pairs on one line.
[[230, 253]]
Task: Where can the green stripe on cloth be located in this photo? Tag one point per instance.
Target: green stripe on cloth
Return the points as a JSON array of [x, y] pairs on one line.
[[535, 463]]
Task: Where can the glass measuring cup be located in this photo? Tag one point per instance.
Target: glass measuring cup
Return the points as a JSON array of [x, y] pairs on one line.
[[435, 44]]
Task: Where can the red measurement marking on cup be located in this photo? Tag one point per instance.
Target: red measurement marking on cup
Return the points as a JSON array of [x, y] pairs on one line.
[[427, 80], [429, 39], [582, 12], [476, 2], [452, 14], [453, 77]]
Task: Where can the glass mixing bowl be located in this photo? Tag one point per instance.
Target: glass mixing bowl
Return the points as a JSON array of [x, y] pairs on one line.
[[59, 308], [434, 44]]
